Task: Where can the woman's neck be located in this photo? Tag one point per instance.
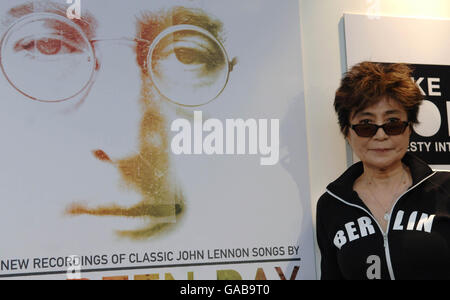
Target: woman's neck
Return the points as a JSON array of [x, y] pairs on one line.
[[385, 177]]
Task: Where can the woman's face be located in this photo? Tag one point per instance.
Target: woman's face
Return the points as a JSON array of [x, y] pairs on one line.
[[380, 151]]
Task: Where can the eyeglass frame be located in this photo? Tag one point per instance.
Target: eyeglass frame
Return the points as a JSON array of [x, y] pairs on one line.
[[92, 41]]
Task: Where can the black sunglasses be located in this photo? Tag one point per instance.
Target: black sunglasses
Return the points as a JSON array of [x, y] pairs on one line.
[[390, 128]]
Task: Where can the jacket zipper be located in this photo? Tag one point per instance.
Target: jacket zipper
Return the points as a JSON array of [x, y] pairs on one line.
[[384, 234]]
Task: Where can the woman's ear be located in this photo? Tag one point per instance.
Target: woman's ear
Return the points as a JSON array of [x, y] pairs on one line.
[[348, 140], [347, 134], [409, 130]]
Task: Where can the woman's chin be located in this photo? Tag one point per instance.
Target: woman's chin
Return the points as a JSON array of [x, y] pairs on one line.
[[382, 159]]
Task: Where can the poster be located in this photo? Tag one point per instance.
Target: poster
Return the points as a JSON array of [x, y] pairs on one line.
[[153, 140], [420, 43], [431, 140]]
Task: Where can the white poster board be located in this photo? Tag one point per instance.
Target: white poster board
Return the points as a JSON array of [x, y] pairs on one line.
[[104, 174]]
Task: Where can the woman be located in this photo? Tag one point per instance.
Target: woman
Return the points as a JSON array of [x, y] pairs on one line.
[[387, 216]]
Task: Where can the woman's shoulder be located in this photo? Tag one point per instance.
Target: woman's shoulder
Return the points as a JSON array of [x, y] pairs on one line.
[[442, 175], [324, 200], [441, 179], [340, 190], [327, 202]]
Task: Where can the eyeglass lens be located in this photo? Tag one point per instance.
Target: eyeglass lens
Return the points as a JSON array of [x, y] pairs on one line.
[[189, 65], [47, 58]]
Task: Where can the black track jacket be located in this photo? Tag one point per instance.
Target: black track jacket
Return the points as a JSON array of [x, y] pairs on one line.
[[416, 244]]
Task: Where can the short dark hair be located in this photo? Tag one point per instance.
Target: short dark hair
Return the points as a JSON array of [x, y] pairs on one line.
[[367, 82]]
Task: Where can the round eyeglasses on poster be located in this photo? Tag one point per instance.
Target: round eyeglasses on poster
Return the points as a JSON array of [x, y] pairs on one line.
[[49, 58]]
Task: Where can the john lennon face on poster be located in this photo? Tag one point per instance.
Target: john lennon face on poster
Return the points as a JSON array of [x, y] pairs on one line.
[[51, 59], [85, 112]]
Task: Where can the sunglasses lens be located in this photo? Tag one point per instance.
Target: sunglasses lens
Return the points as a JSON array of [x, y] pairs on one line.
[[369, 130], [394, 128], [365, 130]]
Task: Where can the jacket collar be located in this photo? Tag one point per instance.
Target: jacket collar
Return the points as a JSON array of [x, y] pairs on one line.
[[343, 186]]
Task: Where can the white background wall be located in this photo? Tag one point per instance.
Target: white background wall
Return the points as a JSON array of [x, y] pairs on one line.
[[323, 65]]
